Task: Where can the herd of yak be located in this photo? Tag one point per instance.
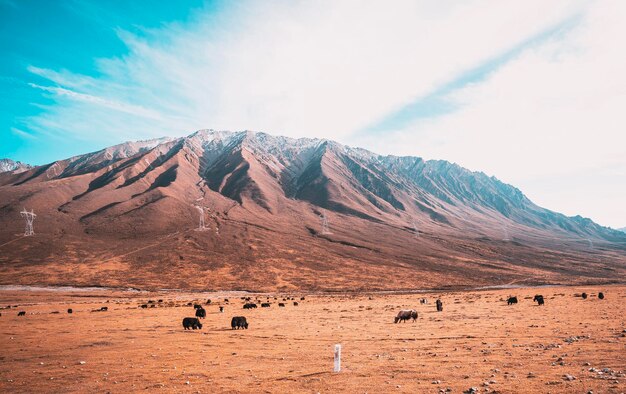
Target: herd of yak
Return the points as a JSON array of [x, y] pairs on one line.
[[237, 322]]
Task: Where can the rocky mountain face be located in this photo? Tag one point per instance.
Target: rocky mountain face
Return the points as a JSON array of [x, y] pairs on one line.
[[8, 165], [283, 213]]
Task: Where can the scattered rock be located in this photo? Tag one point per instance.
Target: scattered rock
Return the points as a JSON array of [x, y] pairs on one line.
[[569, 377]]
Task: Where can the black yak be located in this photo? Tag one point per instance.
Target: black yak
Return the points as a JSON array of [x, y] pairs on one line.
[[539, 299], [201, 313], [439, 305], [21, 313], [405, 315], [70, 310], [239, 322], [601, 295], [512, 300], [192, 322]]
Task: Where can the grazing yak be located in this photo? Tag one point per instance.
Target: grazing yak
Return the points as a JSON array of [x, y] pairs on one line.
[[192, 322], [265, 305], [512, 300], [221, 309], [197, 306], [295, 303], [249, 305], [281, 305], [239, 322], [201, 313], [301, 298], [539, 299], [405, 315], [144, 306], [208, 301], [601, 295], [423, 301], [584, 295], [21, 313], [70, 310], [439, 305]]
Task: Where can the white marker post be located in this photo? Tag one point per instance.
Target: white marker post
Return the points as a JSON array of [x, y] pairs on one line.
[[337, 358]]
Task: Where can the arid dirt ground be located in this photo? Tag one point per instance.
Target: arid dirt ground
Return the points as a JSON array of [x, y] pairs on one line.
[[477, 341]]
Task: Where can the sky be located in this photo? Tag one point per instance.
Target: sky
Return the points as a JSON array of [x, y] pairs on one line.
[[531, 92]]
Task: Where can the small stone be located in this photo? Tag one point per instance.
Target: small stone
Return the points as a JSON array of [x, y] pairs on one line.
[[569, 377], [187, 382], [82, 362], [436, 381]]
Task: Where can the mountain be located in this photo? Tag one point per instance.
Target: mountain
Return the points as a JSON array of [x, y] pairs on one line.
[[8, 165], [286, 214], [623, 229]]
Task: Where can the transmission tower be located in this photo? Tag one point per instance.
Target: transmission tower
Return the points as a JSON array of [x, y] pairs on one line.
[[324, 220], [30, 218], [506, 233], [201, 225]]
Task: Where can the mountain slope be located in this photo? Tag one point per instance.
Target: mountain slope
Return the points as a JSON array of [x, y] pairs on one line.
[[129, 215]]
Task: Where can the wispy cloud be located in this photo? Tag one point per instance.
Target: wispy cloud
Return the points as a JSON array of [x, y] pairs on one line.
[[553, 114], [321, 68], [136, 110], [22, 133]]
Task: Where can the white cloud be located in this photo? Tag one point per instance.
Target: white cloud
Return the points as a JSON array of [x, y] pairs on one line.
[[554, 115], [323, 68]]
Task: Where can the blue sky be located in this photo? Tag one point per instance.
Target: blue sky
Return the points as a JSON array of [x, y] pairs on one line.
[[61, 35], [531, 92]]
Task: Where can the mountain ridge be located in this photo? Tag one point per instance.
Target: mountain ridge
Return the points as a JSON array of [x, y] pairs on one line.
[[265, 194]]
